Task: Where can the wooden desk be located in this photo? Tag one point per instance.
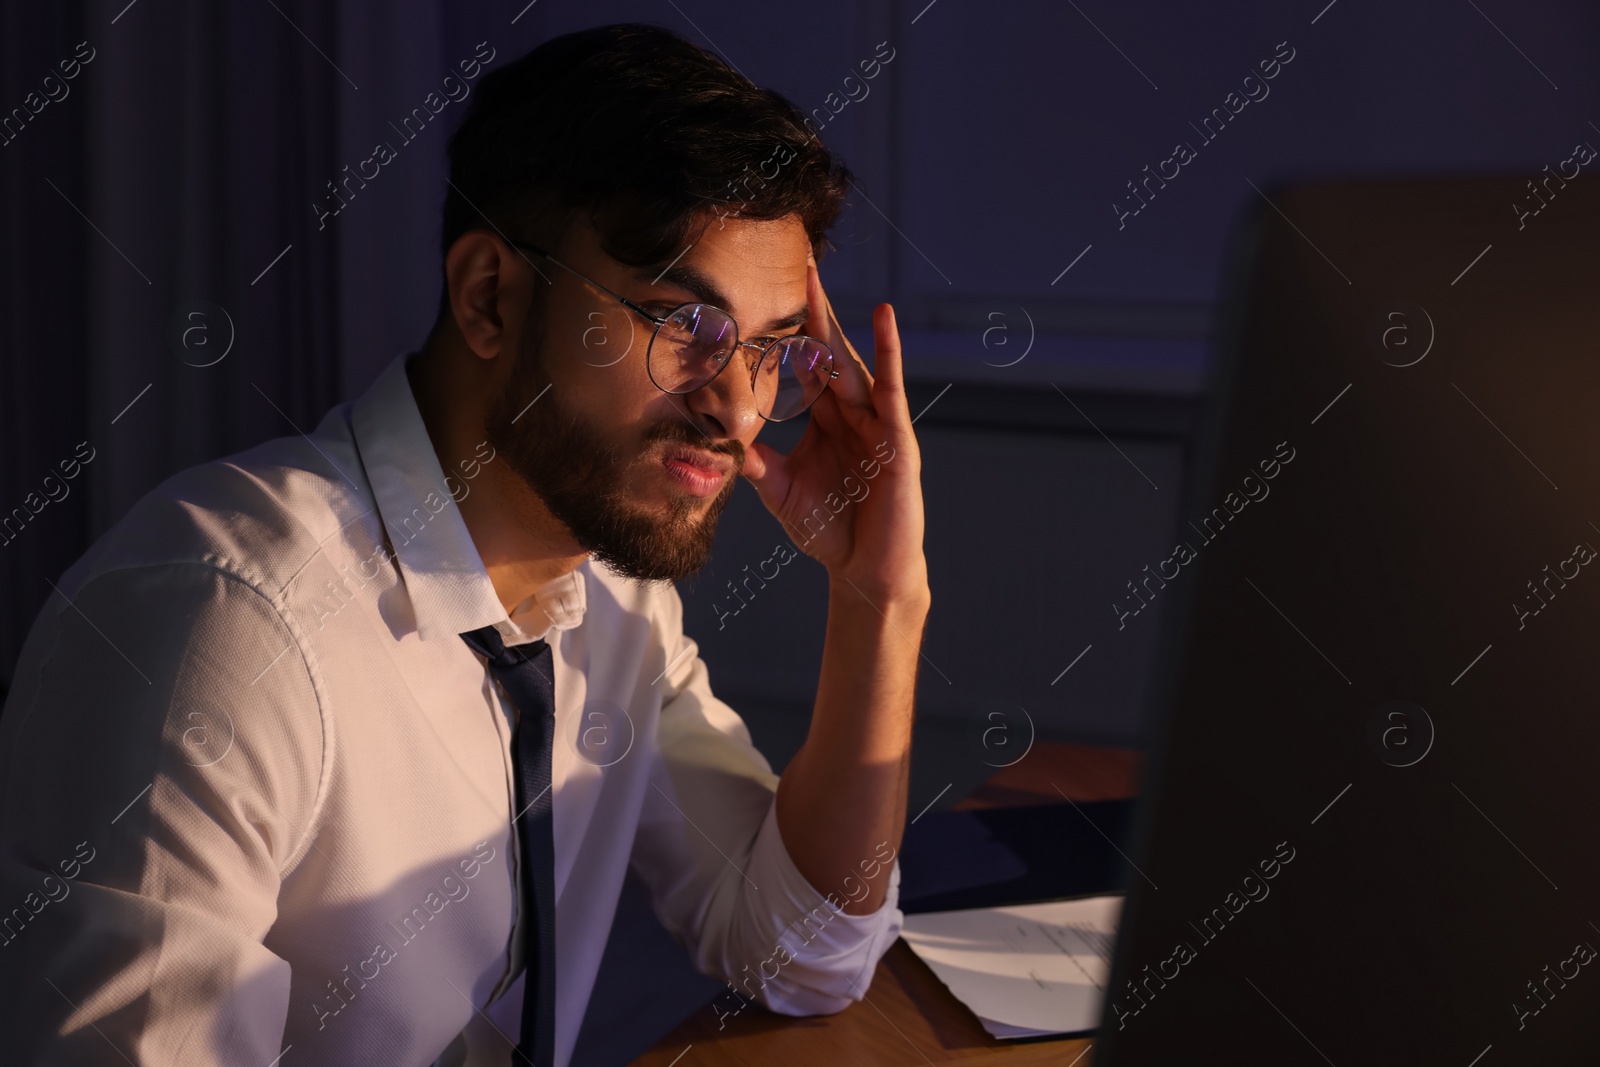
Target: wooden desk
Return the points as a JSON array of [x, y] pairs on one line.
[[908, 1016]]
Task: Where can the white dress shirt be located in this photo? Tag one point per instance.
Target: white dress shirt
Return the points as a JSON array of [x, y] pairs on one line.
[[256, 792]]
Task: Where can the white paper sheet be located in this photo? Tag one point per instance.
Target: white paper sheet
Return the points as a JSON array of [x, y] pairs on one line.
[[1026, 969]]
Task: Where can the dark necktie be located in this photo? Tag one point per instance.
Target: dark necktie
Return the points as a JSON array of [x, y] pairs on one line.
[[527, 675]]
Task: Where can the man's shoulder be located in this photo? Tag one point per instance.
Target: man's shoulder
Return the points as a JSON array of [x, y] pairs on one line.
[[259, 514]]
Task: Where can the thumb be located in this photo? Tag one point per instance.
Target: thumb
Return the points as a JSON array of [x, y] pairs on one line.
[[768, 470]]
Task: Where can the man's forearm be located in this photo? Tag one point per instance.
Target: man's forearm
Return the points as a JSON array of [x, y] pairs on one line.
[[843, 795]]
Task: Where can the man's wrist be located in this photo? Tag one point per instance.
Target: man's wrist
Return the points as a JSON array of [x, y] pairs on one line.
[[901, 599]]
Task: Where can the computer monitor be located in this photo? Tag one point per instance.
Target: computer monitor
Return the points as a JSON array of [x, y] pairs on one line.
[[1370, 828]]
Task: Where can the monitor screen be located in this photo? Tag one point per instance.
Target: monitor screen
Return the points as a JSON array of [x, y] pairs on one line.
[[1369, 823]]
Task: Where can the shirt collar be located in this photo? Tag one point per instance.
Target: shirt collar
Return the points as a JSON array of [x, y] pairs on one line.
[[444, 576]]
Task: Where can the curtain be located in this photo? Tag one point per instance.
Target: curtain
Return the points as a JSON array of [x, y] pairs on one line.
[[192, 262]]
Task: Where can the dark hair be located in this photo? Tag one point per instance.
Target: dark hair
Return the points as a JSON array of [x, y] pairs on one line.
[[651, 134]]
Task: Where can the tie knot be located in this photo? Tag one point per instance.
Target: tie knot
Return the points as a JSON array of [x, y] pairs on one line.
[[488, 643]]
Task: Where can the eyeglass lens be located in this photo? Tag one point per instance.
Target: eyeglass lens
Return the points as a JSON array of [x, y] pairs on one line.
[[697, 340]]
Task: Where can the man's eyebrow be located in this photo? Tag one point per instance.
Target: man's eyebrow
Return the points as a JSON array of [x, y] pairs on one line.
[[705, 290]]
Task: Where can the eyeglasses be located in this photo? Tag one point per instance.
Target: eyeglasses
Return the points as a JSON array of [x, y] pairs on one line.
[[693, 342]]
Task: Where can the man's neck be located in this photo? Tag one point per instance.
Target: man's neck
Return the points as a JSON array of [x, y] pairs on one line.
[[523, 547]]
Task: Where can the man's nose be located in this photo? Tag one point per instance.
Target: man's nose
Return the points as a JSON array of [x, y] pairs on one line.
[[726, 405]]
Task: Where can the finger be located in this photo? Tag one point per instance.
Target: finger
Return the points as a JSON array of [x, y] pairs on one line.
[[768, 470], [854, 382], [842, 422], [829, 322], [889, 391], [837, 421]]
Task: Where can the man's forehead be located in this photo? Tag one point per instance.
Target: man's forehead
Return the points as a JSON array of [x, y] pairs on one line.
[[757, 263]]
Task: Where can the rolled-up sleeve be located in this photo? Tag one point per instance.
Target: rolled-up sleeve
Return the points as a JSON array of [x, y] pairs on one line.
[[160, 762], [708, 845]]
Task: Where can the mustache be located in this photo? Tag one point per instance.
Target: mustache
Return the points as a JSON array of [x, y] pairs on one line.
[[682, 433]]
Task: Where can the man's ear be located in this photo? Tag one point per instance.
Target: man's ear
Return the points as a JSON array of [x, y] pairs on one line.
[[482, 284]]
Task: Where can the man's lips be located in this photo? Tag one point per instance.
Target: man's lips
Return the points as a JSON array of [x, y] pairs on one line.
[[699, 471], [708, 462]]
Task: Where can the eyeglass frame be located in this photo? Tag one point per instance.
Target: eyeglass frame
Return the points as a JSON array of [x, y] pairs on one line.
[[661, 321]]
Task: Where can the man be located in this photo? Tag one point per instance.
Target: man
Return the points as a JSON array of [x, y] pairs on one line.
[[339, 749]]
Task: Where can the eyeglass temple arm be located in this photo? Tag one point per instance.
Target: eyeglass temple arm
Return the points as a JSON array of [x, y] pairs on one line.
[[625, 301]]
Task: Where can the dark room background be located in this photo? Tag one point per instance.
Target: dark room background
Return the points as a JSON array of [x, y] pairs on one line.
[[176, 289]]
